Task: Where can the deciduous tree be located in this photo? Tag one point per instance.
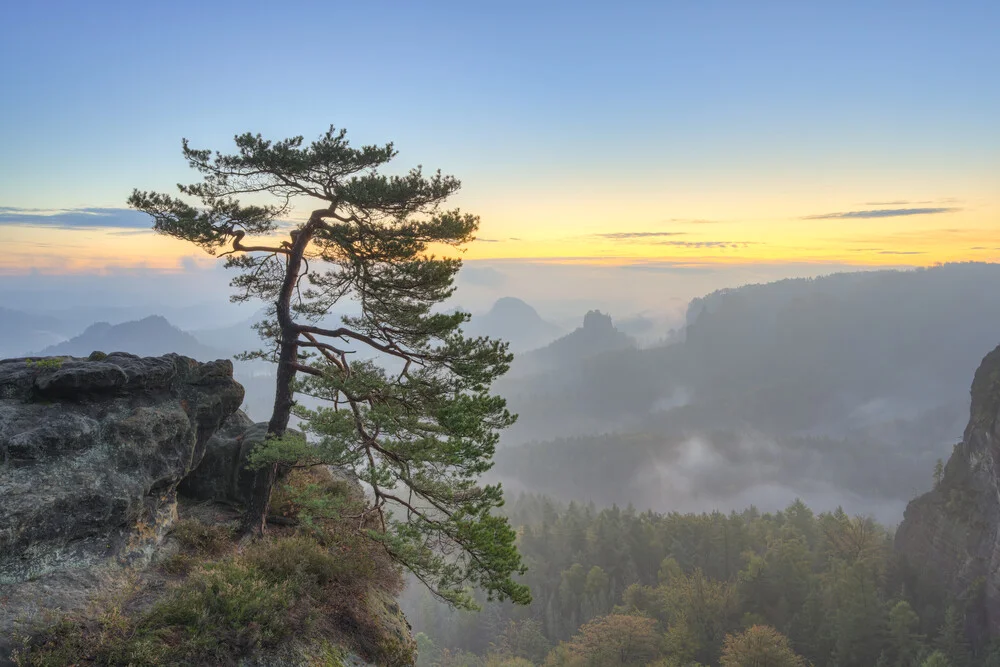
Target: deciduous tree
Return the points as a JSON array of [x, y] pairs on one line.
[[759, 646]]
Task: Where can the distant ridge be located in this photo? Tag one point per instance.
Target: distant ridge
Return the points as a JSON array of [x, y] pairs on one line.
[[150, 336], [512, 320]]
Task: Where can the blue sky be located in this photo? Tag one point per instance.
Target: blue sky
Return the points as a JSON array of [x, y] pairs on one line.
[[558, 116]]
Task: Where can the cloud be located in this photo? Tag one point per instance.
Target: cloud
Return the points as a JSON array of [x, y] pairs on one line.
[[693, 221], [901, 252], [670, 267], [880, 213], [77, 218], [480, 239], [637, 235], [707, 244]]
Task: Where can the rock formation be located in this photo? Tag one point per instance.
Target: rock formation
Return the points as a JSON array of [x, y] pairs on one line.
[[94, 449], [951, 533], [94, 454], [221, 475]]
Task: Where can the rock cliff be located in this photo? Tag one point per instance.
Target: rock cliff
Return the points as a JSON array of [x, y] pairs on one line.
[[94, 449], [112, 551], [951, 533]]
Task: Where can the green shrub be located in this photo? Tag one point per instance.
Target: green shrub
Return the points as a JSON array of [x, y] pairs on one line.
[[225, 610], [202, 539], [49, 364], [298, 560], [285, 592]]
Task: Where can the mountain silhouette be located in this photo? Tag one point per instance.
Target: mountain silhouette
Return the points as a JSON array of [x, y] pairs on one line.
[[512, 320], [597, 336], [150, 336]]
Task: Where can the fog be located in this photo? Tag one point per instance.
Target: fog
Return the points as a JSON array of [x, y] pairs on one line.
[[674, 388]]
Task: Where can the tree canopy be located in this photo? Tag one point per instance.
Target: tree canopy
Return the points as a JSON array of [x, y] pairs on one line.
[[405, 397]]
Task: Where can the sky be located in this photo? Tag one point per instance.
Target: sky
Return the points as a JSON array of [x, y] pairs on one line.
[[681, 139]]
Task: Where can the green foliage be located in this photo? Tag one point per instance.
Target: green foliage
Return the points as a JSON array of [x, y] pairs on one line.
[[291, 447], [216, 615], [616, 639], [759, 646], [411, 414], [523, 640], [297, 561], [936, 659], [438, 435], [97, 355], [906, 645], [47, 364], [829, 583], [227, 608], [427, 652], [951, 640]]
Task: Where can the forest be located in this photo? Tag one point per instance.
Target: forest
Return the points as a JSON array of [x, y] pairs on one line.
[[627, 587]]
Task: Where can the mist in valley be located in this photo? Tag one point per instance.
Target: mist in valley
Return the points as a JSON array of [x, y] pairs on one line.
[[842, 390]]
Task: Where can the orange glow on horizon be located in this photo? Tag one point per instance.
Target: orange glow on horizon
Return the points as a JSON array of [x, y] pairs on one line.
[[961, 232]]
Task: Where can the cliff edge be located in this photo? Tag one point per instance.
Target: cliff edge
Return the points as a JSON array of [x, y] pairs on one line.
[[120, 484], [950, 534]]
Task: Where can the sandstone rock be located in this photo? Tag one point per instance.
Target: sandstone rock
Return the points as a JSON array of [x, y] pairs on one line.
[[93, 452], [222, 474], [950, 535]]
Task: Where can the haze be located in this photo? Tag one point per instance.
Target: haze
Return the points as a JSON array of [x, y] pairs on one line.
[[625, 162]]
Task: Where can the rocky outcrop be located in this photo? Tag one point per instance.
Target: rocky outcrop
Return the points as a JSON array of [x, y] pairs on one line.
[[951, 533], [93, 451], [223, 473]]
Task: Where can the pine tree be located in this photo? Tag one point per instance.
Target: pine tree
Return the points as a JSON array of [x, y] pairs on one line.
[[407, 403], [951, 640]]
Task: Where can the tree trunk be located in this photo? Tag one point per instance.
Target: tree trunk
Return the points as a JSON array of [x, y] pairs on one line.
[[254, 520]]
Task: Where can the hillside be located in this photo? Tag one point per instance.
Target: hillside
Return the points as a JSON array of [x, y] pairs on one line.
[[151, 336]]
